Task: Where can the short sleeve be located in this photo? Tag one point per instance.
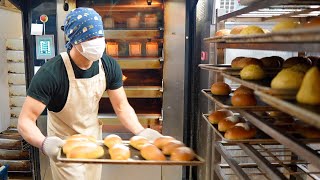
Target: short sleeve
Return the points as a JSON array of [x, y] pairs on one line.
[[43, 86], [113, 73]]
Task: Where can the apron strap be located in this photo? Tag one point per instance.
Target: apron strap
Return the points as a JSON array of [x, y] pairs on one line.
[[68, 65]]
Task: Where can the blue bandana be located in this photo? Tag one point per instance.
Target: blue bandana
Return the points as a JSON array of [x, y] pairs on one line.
[[82, 24]]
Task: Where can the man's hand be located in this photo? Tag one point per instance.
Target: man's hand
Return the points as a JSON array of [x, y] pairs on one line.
[[150, 134], [51, 146]]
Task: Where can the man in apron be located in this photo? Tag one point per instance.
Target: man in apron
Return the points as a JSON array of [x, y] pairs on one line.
[[71, 85]]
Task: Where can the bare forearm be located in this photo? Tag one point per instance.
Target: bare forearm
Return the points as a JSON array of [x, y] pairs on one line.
[[129, 119], [30, 132]]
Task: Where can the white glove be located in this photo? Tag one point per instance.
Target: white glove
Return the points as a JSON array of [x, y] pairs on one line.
[[150, 134], [51, 146]]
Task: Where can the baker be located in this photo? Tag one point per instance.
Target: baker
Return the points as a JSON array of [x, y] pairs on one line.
[[71, 85]]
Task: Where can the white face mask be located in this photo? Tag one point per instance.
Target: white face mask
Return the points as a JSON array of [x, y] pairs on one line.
[[93, 49]]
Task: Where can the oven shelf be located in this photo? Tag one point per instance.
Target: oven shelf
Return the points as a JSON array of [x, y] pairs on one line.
[[139, 63], [111, 119], [132, 34], [141, 92]]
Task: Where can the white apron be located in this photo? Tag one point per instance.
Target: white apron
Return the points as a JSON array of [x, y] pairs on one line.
[[78, 116]]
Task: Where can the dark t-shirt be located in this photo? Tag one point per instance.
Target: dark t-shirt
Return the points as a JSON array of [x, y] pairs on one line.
[[50, 84]]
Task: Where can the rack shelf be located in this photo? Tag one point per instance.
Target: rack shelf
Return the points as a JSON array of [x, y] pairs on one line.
[[296, 146], [309, 114], [139, 63], [111, 119], [141, 92], [132, 34]]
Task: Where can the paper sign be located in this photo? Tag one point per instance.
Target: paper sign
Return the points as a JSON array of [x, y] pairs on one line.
[[36, 29]]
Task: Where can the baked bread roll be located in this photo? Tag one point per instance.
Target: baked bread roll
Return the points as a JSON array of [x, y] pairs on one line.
[[243, 90], [170, 146], [69, 145], [272, 61], [88, 151], [287, 79], [182, 154], [315, 22], [220, 88], [285, 25], [161, 141], [252, 72], [119, 152], [237, 29], [216, 116], [227, 123], [241, 63], [252, 30], [151, 152], [81, 137], [243, 100], [296, 60], [112, 140], [240, 131], [138, 141], [222, 32]]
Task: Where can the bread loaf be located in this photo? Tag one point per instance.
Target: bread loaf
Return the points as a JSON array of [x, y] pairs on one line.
[[182, 154], [151, 152], [243, 100], [243, 90], [296, 60], [119, 152], [88, 151], [220, 88], [228, 123], [170, 146], [237, 29], [242, 62], [112, 140], [252, 72], [138, 141], [272, 61], [240, 131], [222, 32], [81, 137], [161, 141], [216, 116]]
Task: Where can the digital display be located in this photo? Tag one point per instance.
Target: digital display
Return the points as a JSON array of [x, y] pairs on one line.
[[45, 47]]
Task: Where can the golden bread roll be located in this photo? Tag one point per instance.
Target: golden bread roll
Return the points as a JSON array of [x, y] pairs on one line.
[[315, 22], [69, 145], [170, 146], [81, 137], [243, 100], [237, 29], [252, 72], [296, 60], [266, 31], [287, 79], [243, 90], [249, 30], [235, 61], [227, 123], [182, 154], [309, 92], [222, 32], [285, 25], [216, 116], [151, 152], [88, 151], [161, 141], [138, 141], [112, 140], [119, 152], [300, 67], [272, 61], [240, 131], [242, 62], [220, 88]]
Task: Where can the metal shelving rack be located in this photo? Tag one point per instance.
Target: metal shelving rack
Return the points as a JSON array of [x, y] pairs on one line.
[[297, 156]]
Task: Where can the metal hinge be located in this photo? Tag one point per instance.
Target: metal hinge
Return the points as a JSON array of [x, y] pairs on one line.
[[161, 117]]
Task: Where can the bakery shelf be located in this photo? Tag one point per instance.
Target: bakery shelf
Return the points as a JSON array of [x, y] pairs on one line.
[[139, 63], [132, 34], [263, 85], [141, 92], [260, 137], [295, 145], [266, 161], [307, 113], [135, 158], [111, 119], [129, 8], [225, 102], [263, 7]]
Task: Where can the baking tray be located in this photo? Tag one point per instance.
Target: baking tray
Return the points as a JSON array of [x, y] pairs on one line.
[[262, 85], [135, 159], [258, 139], [225, 102], [261, 137], [233, 71], [215, 39], [307, 113], [295, 35]]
